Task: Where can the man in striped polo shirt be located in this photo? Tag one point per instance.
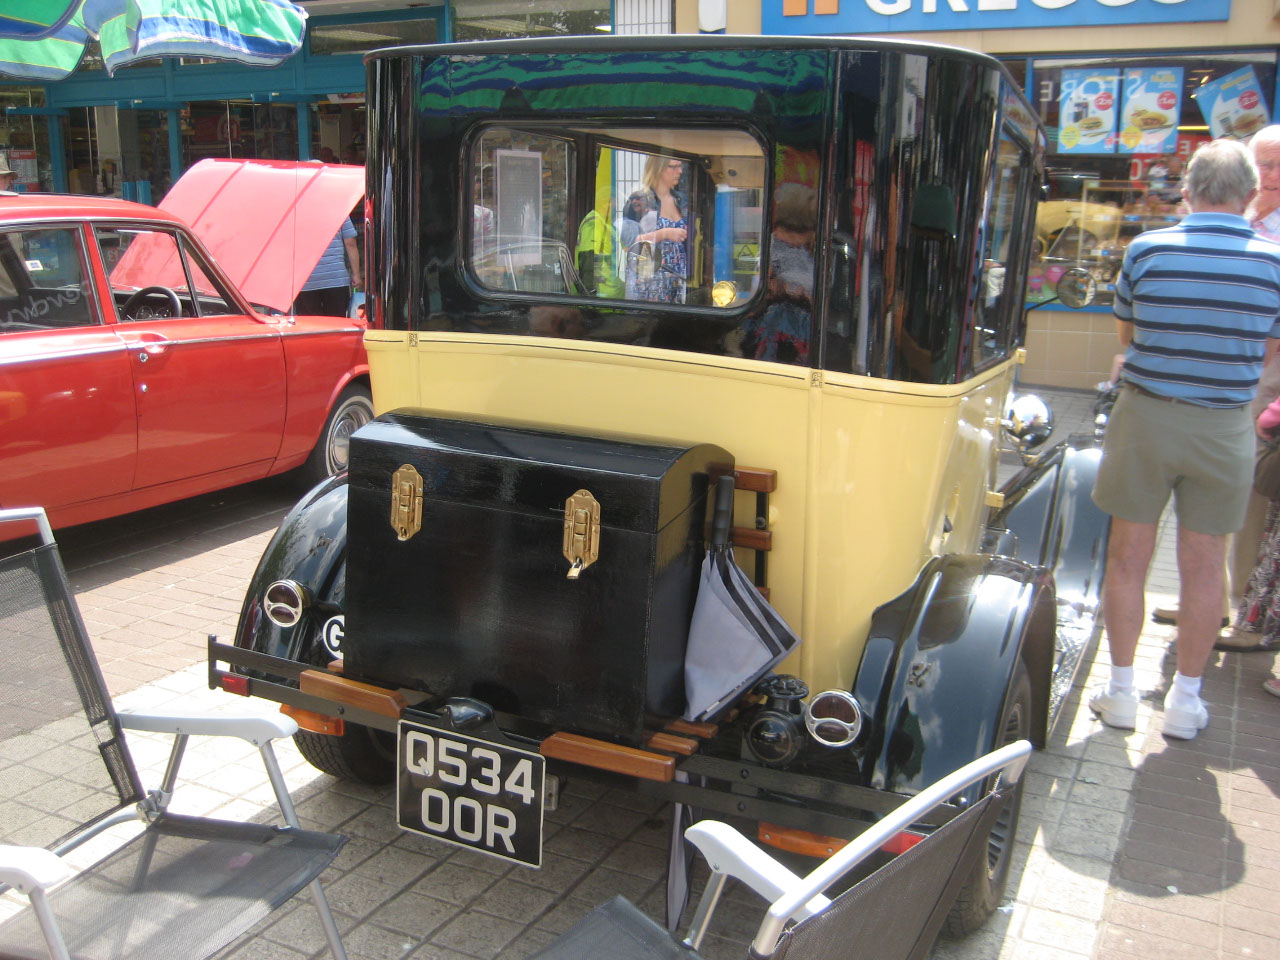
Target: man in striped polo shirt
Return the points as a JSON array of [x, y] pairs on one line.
[[1198, 310]]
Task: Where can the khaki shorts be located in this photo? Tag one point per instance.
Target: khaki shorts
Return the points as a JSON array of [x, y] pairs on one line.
[[1155, 447]]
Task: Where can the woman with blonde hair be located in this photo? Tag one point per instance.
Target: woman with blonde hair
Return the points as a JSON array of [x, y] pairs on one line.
[[666, 227]]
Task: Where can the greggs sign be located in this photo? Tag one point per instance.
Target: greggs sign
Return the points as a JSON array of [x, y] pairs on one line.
[[816, 17]]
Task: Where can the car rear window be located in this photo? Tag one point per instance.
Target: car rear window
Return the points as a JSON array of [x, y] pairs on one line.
[[643, 214], [42, 283]]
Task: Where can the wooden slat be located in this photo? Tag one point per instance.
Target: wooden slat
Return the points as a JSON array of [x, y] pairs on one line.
[[755, 479], [353, 693], [702, 730], [609, 756], [751, 539], [671, 743]]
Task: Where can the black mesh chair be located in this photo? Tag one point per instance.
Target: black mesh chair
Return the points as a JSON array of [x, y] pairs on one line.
[[183, 887], [894, 913]]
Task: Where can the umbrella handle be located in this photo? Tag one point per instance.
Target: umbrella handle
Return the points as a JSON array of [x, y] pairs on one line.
[[722, 518]]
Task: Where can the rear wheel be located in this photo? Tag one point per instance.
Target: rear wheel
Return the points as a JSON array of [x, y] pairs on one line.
[[983, 889], [332, 452], [360, 753]]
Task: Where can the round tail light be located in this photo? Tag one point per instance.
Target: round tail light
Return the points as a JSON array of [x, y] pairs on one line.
[[833, 718], [284, 603]]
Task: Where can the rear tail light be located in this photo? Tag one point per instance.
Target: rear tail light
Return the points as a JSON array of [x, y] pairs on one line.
[[901, 843], [833, 718], [234, 683], [284, 602]]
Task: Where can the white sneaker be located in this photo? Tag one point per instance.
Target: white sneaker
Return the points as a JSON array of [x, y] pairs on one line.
[[1119, 710], [1183, 721]]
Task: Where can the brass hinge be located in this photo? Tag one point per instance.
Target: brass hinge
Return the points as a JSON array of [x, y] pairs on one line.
[[581, 532], [406, 502], [995, 499]]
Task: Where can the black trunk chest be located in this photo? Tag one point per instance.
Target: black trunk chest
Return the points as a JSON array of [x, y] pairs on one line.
[[478, 601]]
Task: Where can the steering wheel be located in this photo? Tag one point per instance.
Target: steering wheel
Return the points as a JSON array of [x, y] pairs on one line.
[[137, 297]]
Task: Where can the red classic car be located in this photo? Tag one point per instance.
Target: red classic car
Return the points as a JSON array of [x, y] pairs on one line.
[[143, 360]]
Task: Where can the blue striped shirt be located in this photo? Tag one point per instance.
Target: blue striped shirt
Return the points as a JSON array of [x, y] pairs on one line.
[[1203, 298], [331, 269]]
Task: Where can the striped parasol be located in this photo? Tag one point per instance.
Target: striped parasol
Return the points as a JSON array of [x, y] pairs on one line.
[[46, 39]]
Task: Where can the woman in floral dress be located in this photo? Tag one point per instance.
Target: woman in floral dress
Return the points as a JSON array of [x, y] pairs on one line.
[[1260, 607], [666, 227]]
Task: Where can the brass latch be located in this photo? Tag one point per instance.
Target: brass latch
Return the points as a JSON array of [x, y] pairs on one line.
[[581, 532], [406, 502]]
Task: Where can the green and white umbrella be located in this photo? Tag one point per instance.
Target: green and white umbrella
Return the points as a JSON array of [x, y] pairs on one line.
[[46, 39]]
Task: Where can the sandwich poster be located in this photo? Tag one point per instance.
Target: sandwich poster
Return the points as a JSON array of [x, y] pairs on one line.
[[1087, 109], [1233, 105], [1149, 117]]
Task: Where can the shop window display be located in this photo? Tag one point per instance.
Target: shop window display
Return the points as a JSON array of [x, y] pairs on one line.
[[1121, 129], [24, 139]]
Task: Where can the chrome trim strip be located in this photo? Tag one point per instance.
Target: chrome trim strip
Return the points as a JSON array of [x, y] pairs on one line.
[[132, 343], [63, 355], [318, 333]]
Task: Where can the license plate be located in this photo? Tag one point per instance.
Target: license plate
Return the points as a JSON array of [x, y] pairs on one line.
[[472, 793]]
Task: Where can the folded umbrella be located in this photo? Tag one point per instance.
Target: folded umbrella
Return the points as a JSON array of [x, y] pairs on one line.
[[735, 637], [46, 39]]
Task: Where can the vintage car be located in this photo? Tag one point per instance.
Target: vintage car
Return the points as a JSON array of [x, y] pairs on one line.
[[826, 306], [147, 355]]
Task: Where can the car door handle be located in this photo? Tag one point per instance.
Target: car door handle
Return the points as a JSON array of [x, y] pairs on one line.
[[153, 345]]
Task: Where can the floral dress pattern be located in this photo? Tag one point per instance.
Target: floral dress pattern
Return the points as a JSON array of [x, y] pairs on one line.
[[1260, 608]]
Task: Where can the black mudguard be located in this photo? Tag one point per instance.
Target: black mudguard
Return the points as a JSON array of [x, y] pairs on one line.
[[1049, 509], [938, 664], [1049, 519], [310, 547]]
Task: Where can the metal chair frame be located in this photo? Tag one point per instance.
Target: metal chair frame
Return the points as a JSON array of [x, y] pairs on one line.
[[33, 871]]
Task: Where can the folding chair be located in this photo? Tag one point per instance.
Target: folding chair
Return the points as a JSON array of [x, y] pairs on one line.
[[893, 914], [183, 887]]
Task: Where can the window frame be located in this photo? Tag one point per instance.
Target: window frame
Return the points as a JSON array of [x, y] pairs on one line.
[[583, 138], [88, 286]]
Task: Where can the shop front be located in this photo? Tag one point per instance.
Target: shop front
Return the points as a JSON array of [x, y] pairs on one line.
[[132, 134], [1127, 89]]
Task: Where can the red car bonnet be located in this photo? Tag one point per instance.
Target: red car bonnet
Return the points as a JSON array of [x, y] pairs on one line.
[[266, 222]]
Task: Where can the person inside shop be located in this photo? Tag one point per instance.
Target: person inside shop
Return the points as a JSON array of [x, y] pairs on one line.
[[633, 214], [596, 254], [781, 334], [7, 177], [327, 292], [666, 229]]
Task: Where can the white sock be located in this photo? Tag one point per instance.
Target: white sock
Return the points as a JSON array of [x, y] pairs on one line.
[[1186, 688], [1121, 680]]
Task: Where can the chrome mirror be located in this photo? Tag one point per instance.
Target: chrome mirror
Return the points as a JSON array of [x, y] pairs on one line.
[[1077, 288], [1028, 421]]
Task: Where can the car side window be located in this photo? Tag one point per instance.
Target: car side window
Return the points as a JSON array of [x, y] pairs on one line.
[[42, 280], [211, 297], [999, 307], [146, 265]]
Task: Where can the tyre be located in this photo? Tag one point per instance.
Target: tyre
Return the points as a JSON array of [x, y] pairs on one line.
[[361, 753], [332, 452], [983, 889]]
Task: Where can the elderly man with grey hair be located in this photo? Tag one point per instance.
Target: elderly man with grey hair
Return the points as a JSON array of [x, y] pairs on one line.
[[1198, 311]]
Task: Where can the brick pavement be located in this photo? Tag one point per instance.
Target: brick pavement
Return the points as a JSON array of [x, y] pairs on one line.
[[1129, 846]]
